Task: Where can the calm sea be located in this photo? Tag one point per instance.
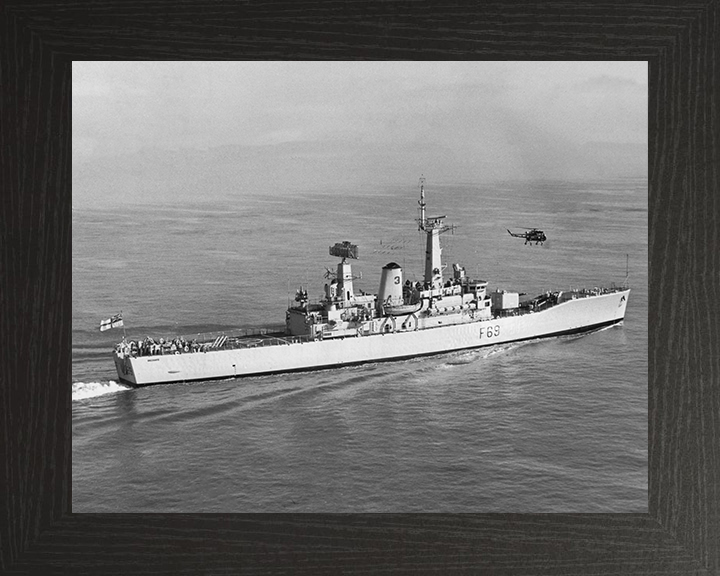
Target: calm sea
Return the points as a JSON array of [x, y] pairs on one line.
[[557, 425]]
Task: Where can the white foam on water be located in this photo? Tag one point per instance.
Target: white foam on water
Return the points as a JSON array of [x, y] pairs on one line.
[[83, 390], [501, 348], [470, 356]]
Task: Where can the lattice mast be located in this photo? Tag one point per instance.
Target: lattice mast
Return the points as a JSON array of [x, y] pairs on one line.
[[433, 226]]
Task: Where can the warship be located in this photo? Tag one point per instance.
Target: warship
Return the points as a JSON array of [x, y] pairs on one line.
[[444, 313]]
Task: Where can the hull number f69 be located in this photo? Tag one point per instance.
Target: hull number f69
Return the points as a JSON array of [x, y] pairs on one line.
[[490, 331]]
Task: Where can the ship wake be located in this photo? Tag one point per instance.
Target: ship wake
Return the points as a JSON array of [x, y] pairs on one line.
[[470, 356], [84, 390], [573, 337]]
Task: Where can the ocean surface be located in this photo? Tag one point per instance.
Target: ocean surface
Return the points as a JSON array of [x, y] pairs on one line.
[[555, 425]]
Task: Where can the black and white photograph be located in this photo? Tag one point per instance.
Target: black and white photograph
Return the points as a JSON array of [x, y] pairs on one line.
[[360, 287]]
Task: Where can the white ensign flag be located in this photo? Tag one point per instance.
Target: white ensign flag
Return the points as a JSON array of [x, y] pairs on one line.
[[114, 322]]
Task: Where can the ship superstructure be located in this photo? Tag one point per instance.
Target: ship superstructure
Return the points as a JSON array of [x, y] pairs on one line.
[[404, 319]]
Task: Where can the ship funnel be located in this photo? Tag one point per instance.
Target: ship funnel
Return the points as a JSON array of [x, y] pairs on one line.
[[391, 286]]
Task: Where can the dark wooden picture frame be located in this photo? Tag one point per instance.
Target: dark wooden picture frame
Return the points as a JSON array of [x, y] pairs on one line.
[[681, 532]]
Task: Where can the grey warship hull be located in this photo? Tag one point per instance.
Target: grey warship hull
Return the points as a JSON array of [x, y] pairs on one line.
[[275, 354]]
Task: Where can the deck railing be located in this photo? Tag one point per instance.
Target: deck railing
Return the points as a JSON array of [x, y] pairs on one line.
[[214, 341]]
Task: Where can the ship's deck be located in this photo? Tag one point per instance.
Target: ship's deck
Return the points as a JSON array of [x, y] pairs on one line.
[[214, 343]]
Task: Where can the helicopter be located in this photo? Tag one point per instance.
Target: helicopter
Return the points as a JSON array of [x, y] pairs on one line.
[[531, 235]]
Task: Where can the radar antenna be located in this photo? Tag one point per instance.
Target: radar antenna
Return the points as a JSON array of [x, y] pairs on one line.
[[344, 275], [429, 223]]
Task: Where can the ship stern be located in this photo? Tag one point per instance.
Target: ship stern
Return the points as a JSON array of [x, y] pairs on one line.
[[123, 366]]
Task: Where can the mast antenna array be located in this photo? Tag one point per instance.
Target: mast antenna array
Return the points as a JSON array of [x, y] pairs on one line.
[[429, 223]]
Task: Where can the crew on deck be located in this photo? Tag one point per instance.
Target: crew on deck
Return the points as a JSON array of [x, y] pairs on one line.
[[151, 347]]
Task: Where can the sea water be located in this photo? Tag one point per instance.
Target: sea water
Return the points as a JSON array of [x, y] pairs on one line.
[[555, 425]]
